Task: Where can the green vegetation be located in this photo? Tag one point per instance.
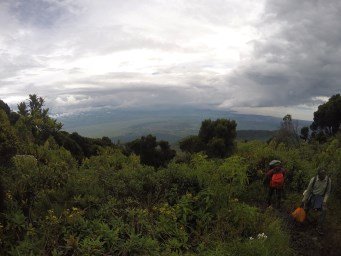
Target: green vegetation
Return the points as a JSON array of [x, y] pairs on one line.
[[215, 138], [327, 119], [262, 135], [64, 194], [151, 152]]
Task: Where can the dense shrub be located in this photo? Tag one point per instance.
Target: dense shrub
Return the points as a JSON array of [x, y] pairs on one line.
[[114, 205]]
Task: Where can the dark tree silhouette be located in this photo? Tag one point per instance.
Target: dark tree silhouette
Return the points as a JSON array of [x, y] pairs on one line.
[[151, 152], [12, 116], [304, 133], [8, 139], [192, 144], [327, 118], [5, 107], [215, 138]]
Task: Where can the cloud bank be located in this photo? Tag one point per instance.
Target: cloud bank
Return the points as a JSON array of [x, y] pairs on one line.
[[266, 57]]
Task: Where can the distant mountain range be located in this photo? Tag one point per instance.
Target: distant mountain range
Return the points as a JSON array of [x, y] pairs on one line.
[[167, 124]]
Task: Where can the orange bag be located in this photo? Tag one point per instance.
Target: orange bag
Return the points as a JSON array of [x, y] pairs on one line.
[[299, 215]]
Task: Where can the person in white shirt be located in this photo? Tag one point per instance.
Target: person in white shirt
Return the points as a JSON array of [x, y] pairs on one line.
[[316, 196]]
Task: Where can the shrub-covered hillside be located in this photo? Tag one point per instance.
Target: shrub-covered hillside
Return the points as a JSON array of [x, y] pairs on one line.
[[64, 194]]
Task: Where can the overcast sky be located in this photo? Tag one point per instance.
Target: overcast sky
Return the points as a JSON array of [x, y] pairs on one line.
[[252, 56]]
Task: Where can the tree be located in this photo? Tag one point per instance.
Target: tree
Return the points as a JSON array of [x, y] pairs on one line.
[[164, 153], [12, 116], [192, 144], [206, 132], [327, 118], [81, 147], [152, 152], [87, 145], [5, 107], [215, 138], [22, 109], [304, 133], [287, 123], [106, 142], [37, 120], [287, 132], [64, 139], [216, 148], [319, 136], [8, 139]]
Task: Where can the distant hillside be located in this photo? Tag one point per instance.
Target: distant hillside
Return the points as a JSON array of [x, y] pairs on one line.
[[165, 124], [243, 135]]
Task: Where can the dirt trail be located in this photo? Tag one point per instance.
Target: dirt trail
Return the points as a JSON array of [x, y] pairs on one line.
[[307, 242], [304, 239], [331, 242]]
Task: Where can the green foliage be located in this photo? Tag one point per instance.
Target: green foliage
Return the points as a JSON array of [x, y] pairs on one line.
[[330, 159], [112, 204], [327, 118], [36, 120], [79, 146], [244, 219], [12, 116], [151, 152], [215, 138], [191, 144], [24, 162], [266, 236], [287, 134], [304, 133], [8, 139], [64, 194], [233, 175]]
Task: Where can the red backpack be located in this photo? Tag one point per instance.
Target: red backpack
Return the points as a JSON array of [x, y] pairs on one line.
[[277, 180]]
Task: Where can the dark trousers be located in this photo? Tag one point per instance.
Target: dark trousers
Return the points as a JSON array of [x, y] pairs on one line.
[[278, 192], [322, 212]]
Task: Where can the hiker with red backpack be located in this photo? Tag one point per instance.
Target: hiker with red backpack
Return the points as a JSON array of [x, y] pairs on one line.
[[274, 179], [316, 196]]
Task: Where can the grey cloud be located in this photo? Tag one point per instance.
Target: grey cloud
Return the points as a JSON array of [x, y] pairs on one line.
[[50, 31], [215, 11], [11, 65], [39, 13], [122, 39], [298, 57], [104, 91], [127, 97]]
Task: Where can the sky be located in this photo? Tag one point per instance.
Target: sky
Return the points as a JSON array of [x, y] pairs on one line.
[[269, 57]]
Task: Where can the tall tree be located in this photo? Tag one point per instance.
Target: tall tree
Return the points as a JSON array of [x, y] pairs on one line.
[[12, 116], [327, 118], [288, 132], [152, 152], [215, 138], [22, 109], [37, 120], [304, 133], [192, 144], [5, 107]]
